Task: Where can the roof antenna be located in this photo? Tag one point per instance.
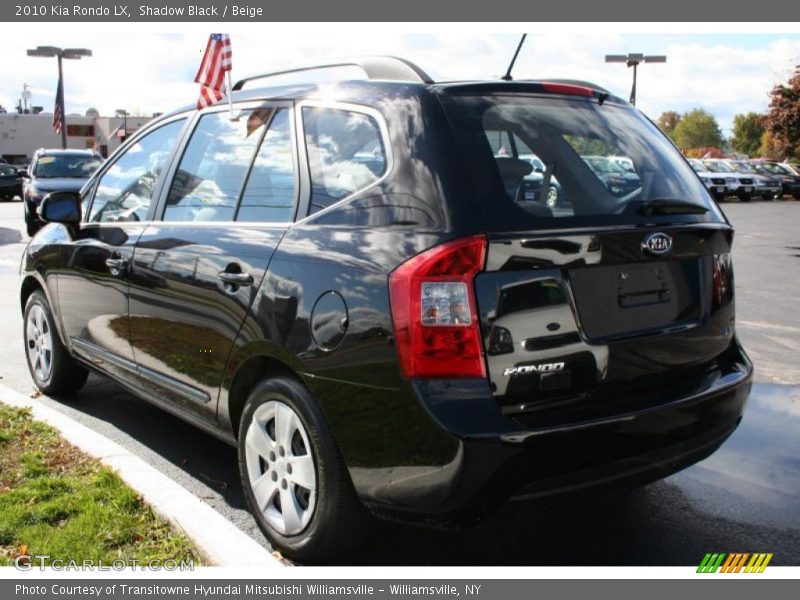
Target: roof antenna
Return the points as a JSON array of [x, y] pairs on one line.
[[507, 76]]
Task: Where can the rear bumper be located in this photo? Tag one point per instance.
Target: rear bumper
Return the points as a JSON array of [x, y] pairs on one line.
[[498, 459], [770, 189]]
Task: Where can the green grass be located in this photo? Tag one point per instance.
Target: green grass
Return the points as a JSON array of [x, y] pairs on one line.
[[56, 500]]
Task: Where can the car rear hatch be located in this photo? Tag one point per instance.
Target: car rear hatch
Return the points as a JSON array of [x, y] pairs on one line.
[[618, 288]]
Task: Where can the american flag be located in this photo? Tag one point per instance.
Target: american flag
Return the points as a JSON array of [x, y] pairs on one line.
[[211, 75], [58, 114]]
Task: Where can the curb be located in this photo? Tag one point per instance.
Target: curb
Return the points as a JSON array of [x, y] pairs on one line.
[[218, 540]]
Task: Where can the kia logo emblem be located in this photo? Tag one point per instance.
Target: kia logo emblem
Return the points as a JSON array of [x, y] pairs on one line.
[[657, 244]]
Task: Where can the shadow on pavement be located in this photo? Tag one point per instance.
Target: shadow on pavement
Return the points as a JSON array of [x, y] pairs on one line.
[[198, 454], [745, 498], [9, 236]]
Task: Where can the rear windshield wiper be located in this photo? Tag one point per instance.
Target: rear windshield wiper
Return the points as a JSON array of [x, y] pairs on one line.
[[670, 206]]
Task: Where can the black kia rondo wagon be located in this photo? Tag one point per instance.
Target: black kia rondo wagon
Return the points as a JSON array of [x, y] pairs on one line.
[[362, 285]]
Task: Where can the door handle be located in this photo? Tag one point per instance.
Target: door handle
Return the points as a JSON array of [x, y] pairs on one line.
[[236, 279], [117, 266]]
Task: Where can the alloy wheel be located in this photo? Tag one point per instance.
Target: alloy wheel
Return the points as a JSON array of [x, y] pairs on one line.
[[39, 343], [280, 467]]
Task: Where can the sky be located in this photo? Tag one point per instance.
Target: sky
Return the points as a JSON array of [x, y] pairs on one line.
[[145, 70]]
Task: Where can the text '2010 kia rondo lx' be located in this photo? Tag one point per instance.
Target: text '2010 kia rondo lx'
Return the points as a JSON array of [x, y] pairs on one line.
[[348, 281]]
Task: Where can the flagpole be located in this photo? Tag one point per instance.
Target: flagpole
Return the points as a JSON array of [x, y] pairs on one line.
[[230, 93], [60, 100]]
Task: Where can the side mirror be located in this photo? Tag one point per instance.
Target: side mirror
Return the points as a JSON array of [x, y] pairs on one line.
[[24, 173], [61, 207]]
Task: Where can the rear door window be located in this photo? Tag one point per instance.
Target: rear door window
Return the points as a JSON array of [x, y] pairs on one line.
[[269, 194], [346, 153], [212, 170], [236, 169]]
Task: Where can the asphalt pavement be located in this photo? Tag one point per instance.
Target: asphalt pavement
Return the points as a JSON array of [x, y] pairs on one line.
[[746, 497]]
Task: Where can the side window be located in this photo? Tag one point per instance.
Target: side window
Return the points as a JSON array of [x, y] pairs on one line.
[[269, 194], [125, 190], [209, 178], [345, 153]]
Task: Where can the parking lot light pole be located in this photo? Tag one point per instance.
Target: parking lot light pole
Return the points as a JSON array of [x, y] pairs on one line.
[[633, 60], [61, 53]]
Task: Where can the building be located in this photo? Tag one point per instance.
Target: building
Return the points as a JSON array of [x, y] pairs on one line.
[[22, 134]]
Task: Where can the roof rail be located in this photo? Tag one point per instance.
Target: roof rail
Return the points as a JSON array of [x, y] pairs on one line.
[[375, 67]]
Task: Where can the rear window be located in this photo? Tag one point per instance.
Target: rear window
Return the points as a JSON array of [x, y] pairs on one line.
[[576, 160]]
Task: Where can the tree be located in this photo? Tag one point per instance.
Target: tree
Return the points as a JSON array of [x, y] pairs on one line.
[[773, 147], [748, 129], [704, 152], [783, 119], [667, 121], [697, 128]]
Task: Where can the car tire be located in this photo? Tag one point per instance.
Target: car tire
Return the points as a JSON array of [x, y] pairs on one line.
[[286, 454], [31, 226], [745, 197], [52, 368]]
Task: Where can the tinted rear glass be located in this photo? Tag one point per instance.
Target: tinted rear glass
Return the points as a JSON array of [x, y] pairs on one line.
[[568, 161]]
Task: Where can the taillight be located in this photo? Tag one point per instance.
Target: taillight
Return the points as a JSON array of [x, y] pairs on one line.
[[721, 279], [434, 312]]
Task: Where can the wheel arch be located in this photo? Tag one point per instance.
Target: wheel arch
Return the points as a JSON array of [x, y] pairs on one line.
[[244, 371], [31, 282], [29, 285]]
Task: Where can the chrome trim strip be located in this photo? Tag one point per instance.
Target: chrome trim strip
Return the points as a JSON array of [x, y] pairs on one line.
[[104, 356]]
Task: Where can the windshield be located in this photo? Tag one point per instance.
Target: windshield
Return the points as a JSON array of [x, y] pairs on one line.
[[718, 167], [7, 171], [595, 160], [71, 166], [774, 169], [697, 166], [743, 167]]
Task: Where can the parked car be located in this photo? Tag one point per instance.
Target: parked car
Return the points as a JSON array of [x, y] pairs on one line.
[[22, 164], [620, 180], [737, 184], [532, 186], [767, 186], [391, 329], [793, 167], [10, 182], [714, 182], [789, 180], [55, 171], [514, 160]]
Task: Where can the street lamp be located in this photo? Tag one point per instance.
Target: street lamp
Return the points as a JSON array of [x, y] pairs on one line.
[[121, 112], [61, 53], [633, 60]]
